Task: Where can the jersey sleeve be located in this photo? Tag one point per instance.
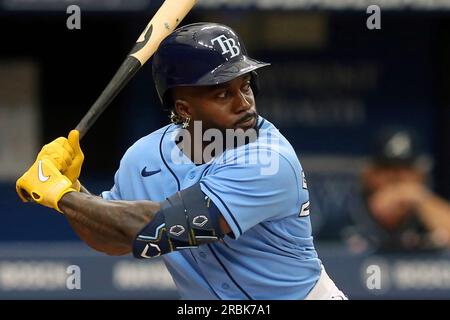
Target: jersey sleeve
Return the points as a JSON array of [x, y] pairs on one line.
[[246, 194]]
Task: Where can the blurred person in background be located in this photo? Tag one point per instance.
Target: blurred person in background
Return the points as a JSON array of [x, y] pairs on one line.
[[402, 212]]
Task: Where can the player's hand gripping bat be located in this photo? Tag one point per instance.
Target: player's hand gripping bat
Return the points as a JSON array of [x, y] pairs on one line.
[[162, 24]]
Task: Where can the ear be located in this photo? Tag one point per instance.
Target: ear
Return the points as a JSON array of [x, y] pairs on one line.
[[183, 108]]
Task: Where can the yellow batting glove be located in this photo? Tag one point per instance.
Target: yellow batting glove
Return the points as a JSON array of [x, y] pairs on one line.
[[74, 170], [66, 155], [59, 152], [44, 184]]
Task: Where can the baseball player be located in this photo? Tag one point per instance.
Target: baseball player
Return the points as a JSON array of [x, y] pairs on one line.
[[231, 226]]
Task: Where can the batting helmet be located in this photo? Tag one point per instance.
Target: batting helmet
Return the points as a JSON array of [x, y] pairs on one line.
[[201, 54]]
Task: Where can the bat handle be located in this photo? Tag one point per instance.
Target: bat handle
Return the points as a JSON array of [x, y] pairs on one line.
[[126, 71]]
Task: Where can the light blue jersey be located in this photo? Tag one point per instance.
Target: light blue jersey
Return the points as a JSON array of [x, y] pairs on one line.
[[261, 192]]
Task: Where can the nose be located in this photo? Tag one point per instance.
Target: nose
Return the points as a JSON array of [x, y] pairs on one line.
[[243, 102]]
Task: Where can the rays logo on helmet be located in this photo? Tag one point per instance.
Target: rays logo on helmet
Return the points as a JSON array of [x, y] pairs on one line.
[[228, 45]]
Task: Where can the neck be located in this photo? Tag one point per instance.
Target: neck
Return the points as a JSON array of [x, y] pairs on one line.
[[191, 143]]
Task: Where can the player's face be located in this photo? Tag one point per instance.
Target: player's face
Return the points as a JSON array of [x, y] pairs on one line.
[[226, 106]]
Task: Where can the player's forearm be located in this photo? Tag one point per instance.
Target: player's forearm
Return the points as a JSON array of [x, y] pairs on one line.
[[107, 226]]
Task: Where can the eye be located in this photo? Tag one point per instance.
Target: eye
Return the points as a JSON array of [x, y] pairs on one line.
[[222, 94], [246, 88]]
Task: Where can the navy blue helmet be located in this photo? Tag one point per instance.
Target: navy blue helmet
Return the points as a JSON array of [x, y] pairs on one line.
[[201, 54]]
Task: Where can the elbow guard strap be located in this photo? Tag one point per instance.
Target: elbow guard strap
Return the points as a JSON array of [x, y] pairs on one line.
[[186, 220]]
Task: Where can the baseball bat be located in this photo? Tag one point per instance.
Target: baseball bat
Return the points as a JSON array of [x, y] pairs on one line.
[[163, 23]]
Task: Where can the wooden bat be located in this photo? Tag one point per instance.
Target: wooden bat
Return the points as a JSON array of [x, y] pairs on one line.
[[163, 23]]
